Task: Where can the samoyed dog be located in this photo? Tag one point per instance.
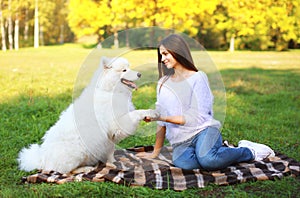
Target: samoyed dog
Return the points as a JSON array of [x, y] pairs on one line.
[[89, 128]]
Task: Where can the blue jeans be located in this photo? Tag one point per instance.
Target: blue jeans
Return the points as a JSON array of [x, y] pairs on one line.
[[206, 151]]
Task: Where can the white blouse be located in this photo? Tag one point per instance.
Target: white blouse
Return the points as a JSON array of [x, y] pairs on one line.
[[191, 98]]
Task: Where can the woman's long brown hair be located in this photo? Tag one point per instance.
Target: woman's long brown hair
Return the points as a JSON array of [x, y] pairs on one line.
[[179, 49]]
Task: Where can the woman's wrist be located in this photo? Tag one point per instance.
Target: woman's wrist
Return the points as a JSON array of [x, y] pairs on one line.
[[163, 119], [155, 153], [180, 120]]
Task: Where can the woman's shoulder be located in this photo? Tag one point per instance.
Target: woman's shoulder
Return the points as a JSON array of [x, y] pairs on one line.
[[198, 76], [201, 73]]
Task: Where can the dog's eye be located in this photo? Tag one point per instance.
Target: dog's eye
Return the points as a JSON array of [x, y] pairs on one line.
[[124, 70]]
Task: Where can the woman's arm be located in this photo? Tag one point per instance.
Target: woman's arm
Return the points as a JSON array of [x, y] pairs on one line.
[[172, 119], [159, 142]]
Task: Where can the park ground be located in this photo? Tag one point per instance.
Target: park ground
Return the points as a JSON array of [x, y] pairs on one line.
[[262, 96]]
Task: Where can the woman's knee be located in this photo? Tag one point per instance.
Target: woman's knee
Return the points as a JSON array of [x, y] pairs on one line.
[[210, 141], [187, 165], [210, 164]]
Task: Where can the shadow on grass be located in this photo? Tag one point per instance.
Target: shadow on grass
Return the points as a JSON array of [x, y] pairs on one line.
[[24, 120], [263, 106], [261, 81], [26, 117]]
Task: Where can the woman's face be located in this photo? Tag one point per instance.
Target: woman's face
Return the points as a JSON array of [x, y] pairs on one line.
[[167, 58]]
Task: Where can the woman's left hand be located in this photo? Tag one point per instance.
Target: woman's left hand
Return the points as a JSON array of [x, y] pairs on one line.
[[147, 155]]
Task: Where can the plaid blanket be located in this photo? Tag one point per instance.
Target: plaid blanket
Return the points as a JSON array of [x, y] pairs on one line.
[[160, 173]]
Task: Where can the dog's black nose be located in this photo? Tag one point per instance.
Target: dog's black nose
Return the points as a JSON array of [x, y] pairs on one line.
[[139, 75]]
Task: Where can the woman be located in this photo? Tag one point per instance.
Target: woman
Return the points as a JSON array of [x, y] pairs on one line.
[[185, 103]]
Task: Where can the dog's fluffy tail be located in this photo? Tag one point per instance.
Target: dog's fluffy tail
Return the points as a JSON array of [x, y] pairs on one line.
[[30, 158]]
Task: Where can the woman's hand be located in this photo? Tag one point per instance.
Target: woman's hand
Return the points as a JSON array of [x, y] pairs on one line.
[[147, 155], [159, 142]]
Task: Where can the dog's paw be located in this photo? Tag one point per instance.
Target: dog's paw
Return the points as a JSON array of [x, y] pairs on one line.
[[153, 114], [110, 165]]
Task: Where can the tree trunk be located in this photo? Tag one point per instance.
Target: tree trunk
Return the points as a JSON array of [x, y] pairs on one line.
[[10, 28], [231, 46], [26, 28], [61, 35], [36, 25], [42, 35], [152, 33], [116, 40], [127, 38], [16, 38], [2, 31]]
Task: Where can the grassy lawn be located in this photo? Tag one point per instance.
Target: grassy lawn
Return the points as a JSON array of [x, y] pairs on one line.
[[263, 102]]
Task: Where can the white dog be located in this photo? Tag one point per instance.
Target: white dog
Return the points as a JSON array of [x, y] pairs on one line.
[[88, 129]]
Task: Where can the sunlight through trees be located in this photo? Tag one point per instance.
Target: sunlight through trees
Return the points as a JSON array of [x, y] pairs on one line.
[[216, 24]]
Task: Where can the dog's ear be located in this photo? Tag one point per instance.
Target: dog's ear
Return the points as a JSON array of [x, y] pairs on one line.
[[104, 62]]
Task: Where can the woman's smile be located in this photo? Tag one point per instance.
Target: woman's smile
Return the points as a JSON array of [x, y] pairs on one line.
[[167, 58]]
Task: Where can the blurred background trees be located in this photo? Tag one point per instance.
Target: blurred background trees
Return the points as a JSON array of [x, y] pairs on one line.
[[216, 24]]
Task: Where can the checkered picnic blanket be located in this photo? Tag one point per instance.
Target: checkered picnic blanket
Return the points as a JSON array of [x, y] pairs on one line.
[[160, 173]]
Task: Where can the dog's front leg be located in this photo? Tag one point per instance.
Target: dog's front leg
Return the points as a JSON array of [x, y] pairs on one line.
[[126, 124], [111, 158], [129, 122]]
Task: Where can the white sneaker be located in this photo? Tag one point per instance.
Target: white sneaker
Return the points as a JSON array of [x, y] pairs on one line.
[[260, 151]]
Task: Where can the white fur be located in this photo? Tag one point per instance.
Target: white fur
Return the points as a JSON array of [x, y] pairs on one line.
[[88, 129]]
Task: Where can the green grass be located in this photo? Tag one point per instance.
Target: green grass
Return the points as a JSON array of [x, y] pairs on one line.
[[263, 102]]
